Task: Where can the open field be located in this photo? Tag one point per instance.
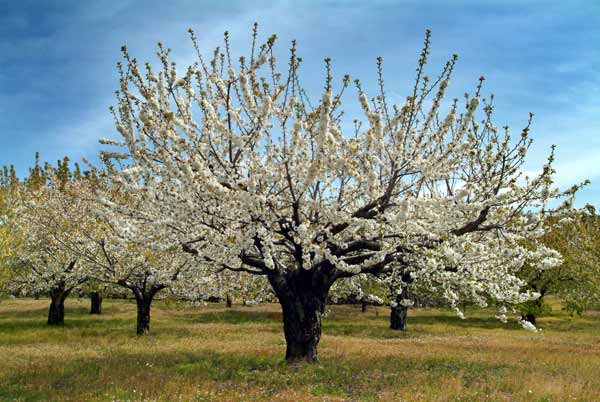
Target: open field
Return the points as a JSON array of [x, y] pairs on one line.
[[217, 354]]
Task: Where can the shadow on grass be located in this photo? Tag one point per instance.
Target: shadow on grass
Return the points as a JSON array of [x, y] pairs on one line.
[[478, 322], [417, 325], [235, 317], [30, 324], [78, 321], [115, 375], [87, 327], [340, 322], [26, 312], [41, 310]]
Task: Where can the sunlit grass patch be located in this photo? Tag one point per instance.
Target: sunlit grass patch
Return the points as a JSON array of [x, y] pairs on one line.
[[216, 354]]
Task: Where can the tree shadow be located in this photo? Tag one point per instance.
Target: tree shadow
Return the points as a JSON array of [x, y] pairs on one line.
[[235, 317], [120, 373], [25, 312], [71, 324], [468, 322], [70, 310]]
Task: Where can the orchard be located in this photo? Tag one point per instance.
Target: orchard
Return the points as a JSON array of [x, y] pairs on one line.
[[233, 190]]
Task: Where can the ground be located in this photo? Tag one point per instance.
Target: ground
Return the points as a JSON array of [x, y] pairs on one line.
[[211, 353]]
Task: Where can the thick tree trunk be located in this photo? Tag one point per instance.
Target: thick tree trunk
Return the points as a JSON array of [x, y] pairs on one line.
[[228, 300], [56, 312], [303, 297], [143, 299], [399, 312], [398, 318], [143, 313], [363, 306], [302, 328], [96, 303]]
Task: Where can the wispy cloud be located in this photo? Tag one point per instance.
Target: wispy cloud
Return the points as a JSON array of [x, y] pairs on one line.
[[58, 77]]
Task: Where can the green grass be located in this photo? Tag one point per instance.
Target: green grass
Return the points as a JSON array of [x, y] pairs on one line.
[[217, 354]]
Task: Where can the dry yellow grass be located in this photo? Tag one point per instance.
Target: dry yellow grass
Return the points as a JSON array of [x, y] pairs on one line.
[[217, 354]]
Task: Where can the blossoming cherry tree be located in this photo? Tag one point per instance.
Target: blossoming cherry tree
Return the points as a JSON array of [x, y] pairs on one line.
[[240, 167]]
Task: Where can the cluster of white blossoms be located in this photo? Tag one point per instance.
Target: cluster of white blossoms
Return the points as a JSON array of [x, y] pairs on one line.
[[528, 326], [41, 264], [357, 289], [68, 239], [234, 164]]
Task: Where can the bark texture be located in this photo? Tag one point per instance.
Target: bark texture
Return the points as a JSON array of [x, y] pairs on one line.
[[302, 295], [143, 315], [96, 303], [399, 313], [144, 294], [56, 312], [144, 299]]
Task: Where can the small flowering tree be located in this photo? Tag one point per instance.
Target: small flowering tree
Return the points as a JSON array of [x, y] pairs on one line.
[[238, 166], [360, 289], [225, 286], [41, 265], [9, 242], [576, 281], [110, 258]]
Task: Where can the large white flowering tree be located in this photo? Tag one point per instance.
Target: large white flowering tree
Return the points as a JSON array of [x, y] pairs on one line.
[[240, 167]]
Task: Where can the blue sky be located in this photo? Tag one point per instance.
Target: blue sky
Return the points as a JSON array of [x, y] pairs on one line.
[[58, 76]]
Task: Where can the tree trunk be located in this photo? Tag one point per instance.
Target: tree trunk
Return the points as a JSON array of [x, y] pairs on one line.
[[363, 306], [302, 328], [96, 299], [143, 313], [529, 317], [56, 312], [228, 300], [303, 297], [536, 310], [399, 312], [398, 317], [143, 299]]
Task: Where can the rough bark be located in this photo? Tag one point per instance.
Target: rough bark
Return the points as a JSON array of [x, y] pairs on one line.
[[398, 318], [144, 299], [228, 301], [96, 303], [143, 314], [56, 312], [399, 313], [144, 294], [303, 297]]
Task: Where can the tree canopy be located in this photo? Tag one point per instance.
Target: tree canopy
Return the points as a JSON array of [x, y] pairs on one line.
[[236, 164]]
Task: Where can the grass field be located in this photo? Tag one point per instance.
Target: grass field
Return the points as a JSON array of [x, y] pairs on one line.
[[217, 354]]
